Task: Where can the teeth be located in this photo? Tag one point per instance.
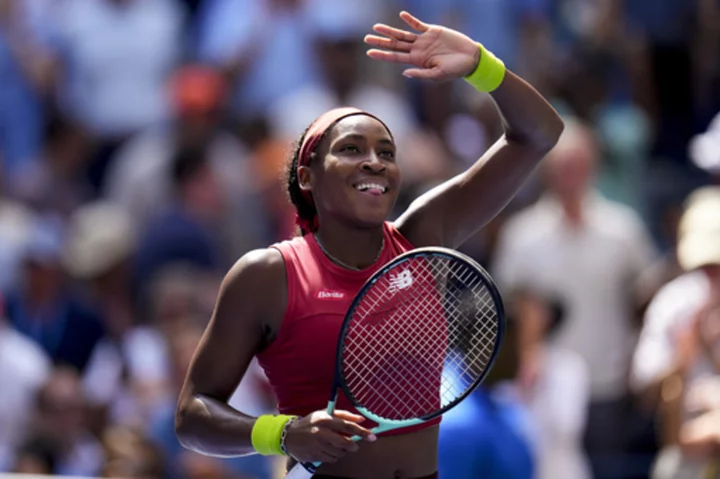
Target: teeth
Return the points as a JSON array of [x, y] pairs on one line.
[[368, 186]]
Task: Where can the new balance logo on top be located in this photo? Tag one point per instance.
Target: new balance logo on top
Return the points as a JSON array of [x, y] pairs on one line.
[[402, 280], [330, 295]]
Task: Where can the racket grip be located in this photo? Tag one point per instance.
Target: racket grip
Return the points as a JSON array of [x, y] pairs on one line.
[[300, 472]]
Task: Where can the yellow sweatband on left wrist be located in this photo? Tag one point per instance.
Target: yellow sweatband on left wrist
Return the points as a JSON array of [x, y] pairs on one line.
[[489, 73], [267, 432]]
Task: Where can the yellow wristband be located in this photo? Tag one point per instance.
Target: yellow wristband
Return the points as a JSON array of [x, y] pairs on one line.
[[489, 73], [266, 434]]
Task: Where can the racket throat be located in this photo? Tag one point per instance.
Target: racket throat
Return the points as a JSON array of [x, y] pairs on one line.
[[332, 402]]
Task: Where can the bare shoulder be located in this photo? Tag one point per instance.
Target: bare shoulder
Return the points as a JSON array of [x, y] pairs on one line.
[[256, 266], [255, 288]]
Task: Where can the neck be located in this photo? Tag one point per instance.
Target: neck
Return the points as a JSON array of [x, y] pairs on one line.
[[356, 248], [39, 297], [573, 210], [195, 211]]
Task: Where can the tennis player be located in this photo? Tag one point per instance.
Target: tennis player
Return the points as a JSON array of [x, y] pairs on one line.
[[284, 304]]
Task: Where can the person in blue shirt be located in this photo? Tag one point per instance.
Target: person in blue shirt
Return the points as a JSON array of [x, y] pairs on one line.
[[488, 434]]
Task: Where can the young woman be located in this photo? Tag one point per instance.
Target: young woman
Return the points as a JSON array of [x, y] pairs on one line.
[[284, 304]]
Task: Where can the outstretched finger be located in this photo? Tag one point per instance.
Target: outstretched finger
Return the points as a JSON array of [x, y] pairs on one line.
[[394, 57], [393, 32], [388, 43], [421, 27]]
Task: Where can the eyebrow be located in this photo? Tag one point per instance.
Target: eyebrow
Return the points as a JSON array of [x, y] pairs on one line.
[[356, 136]]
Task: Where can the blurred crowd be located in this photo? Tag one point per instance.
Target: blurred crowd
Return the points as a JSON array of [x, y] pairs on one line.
[[142, 148]]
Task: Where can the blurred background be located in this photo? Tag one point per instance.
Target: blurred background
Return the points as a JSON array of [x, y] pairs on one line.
[[142, 148]]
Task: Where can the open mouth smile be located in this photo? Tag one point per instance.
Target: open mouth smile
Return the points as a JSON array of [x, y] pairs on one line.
[[374, 189]]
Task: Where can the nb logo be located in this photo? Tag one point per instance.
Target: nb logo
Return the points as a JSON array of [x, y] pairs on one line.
[[402, 280]]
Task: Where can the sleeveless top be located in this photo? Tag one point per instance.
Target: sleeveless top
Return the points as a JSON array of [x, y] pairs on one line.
[[300, 362]]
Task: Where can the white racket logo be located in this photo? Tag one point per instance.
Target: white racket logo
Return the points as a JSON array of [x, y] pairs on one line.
[[402, 280]]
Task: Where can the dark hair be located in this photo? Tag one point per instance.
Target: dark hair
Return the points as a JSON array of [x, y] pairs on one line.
[[42, 449], [186, 163], [557, 316], [303, 207], [57, 127]]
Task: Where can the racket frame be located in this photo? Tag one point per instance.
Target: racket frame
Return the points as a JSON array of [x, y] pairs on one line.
[[339, 383]]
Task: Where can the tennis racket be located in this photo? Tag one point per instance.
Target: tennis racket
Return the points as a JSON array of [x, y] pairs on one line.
[[419, 337]]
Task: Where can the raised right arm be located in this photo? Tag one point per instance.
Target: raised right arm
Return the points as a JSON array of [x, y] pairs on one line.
[[252, 295]]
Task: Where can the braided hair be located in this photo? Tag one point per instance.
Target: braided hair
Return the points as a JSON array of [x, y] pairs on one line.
[[304, 208]]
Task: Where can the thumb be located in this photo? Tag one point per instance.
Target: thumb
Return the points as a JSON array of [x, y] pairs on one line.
[[348, 416], [422, 73]]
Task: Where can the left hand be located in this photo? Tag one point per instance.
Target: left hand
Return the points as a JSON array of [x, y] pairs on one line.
[[700, 437], [438, 53]]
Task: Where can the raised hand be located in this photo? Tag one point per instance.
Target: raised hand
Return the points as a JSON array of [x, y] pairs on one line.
[[437, 53]]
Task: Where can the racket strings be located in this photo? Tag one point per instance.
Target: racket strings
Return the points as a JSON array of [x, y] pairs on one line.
[[391, 373], [420, 338], [482, 338]]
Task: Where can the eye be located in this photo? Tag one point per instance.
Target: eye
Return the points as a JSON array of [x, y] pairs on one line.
[[389, 154], [350, 149]]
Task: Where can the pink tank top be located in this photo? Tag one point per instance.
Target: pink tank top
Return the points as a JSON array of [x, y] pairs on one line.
[[299, 363]]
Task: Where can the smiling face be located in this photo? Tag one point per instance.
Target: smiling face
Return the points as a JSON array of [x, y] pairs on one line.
[[355, 178]]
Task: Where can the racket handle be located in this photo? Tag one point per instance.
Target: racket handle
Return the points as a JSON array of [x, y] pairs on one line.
[[300, 472]]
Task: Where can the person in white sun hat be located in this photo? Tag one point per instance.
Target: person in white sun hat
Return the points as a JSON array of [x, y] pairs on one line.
[[99, 250], [679, 349]]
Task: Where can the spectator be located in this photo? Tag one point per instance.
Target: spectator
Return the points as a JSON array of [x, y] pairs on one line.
[[559, 396], [586, 251], [61, 419], [55, 184], [681, 37], [186, 232], [128, 369], [37, 455], [131, 455], [26, 76], [116, 56], [337, 44], [180, 291], [140, 176], [16, 226], [24, 367], [489, 434], [677, 350], [46, 309], [704, 150], [257, 42], [700, 437]]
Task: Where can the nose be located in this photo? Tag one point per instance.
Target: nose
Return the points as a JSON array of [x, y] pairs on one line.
[[373, 164]]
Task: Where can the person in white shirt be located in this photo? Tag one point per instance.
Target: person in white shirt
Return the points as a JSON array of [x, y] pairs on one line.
[[116, 56], [24, 367], [558, 399], [679, 347], [586, 251]]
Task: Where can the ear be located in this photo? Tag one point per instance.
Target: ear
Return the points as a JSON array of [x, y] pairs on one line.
[[305, 178]]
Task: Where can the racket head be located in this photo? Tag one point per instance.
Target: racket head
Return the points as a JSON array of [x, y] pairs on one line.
[[419, 337]]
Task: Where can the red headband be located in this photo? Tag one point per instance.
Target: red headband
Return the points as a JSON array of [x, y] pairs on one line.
[[310, 142]]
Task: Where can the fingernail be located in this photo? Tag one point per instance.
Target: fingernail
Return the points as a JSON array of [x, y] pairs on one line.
[[372, 438]]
